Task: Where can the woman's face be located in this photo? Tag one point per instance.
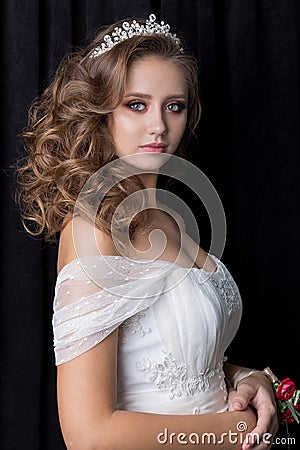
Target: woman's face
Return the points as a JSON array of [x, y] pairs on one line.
[[152, 116]]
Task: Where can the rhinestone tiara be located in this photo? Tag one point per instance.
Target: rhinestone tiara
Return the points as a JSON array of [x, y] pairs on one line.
[[128, 30]]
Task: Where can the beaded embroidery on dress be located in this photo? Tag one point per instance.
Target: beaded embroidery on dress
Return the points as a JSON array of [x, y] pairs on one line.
[[132, 325], [173, 376], [175, 325]]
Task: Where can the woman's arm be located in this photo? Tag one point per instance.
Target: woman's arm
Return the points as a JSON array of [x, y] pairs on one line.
[[86, 401], [256, 390]]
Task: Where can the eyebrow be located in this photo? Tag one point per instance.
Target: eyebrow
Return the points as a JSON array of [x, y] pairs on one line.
[[142, 95]]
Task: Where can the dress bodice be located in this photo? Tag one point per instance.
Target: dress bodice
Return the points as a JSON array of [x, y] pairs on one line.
[[175, 325]]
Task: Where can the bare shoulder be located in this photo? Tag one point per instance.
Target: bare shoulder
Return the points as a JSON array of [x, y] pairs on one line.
[[79, 238], [175, 217]]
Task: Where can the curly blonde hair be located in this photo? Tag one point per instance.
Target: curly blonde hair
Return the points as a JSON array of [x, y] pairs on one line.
[[68, 136]]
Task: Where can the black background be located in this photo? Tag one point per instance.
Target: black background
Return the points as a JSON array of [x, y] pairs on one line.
[[248, 53]]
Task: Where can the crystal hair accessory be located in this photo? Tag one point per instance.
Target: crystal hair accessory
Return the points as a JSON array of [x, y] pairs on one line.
[[134, 28]]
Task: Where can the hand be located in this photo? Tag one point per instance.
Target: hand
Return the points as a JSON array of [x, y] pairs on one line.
[[256, 390]]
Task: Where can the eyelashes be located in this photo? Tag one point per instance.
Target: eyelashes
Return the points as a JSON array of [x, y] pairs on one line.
[[175, 107], [136, 106]]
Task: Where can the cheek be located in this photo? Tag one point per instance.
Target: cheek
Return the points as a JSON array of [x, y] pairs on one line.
[[124, 127], [180, 127], [125, 133]]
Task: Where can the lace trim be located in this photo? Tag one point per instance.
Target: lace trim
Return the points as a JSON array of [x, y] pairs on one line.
[[169, 374], [133, 325], [228, 291]]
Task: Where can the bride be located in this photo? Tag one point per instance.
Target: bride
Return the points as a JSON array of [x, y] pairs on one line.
[[142, 315]]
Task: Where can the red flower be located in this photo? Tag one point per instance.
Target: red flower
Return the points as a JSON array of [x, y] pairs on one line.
[[286, 417], [286, 389]]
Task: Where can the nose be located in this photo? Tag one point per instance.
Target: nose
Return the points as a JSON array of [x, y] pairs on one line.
[[157, 124]]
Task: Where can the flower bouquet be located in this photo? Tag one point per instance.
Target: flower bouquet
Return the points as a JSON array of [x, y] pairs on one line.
[[287, 398]]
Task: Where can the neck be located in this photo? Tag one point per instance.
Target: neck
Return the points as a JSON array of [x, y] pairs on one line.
[[150, 181]]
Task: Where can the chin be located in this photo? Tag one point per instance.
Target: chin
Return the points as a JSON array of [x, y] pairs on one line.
[[147, 161]]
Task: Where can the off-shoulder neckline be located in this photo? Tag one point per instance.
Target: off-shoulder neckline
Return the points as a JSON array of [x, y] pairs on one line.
[[155, 261]]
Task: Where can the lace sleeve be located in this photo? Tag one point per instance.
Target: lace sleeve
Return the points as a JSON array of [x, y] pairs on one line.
[[93, 297]]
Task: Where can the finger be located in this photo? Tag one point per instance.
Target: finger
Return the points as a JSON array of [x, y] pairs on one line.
[[262, 436], [239, 404], [242, 397], [231, 393], [256, 442], [267, 420]]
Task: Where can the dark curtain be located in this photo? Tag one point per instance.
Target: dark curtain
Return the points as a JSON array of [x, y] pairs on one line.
[[248, 145]]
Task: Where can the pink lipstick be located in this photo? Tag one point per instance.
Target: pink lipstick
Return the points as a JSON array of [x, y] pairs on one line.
[[156, 147]]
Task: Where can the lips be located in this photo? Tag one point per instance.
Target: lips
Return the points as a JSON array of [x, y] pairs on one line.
[[155, 147]]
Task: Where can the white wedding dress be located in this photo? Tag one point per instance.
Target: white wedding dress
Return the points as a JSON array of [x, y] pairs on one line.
[[175, 325]]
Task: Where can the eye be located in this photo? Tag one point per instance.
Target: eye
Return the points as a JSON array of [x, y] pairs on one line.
[[136, 106], [176, 107]]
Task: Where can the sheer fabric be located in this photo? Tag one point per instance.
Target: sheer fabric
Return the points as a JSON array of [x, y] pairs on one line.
[[174, 324]]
